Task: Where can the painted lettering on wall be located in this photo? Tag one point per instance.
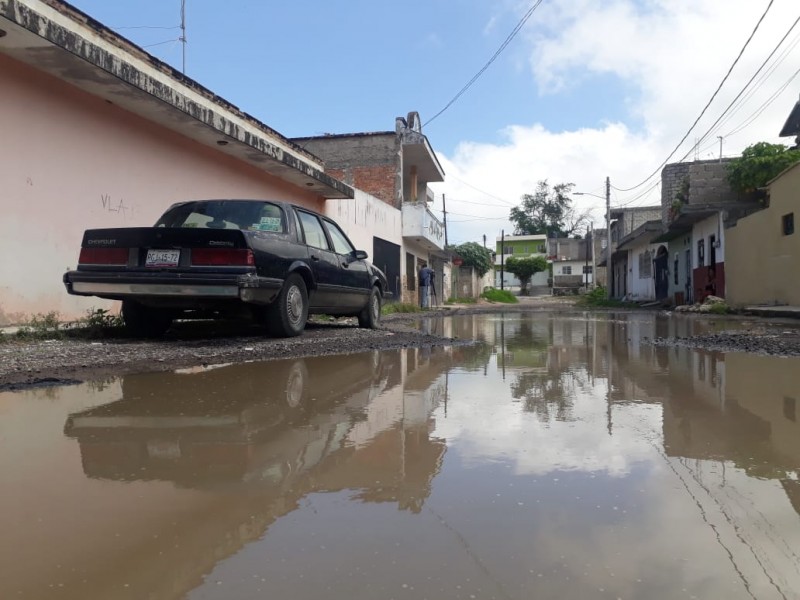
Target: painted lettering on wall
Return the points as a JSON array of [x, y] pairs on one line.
[[110, 204]]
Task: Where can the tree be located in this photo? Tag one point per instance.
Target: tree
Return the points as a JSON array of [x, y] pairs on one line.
[[548, 211], [759, 164], [525, 268], [474, 255]]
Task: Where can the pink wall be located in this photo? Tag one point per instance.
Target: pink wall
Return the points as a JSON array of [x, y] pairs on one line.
[[71, 161]]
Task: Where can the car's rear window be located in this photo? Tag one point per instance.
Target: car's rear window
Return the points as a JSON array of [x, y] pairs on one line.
[[248, 215]]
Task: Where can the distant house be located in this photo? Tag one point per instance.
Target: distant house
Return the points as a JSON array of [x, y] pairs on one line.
[[520, 246], [571, 261], [629, 231], [647, 274], [698, 204], [395, 166]]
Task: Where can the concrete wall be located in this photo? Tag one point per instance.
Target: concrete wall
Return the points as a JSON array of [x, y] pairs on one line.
[[763, 265], [73, 161], [708, 184], [365, 217], [641, 285]]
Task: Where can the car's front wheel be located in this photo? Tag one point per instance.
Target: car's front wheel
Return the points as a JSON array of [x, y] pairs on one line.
[[370, 317], [287, 315], [145, 321]]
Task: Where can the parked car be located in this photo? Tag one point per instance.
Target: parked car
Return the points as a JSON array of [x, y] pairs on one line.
[[270, 260]]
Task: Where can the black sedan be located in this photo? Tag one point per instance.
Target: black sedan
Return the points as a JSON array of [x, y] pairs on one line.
[[270, 260]]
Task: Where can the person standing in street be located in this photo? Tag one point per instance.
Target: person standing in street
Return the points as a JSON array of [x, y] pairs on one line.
[[425, 280]]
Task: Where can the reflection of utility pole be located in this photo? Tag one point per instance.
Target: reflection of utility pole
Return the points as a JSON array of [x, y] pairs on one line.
[[503, 344], [610, 334]]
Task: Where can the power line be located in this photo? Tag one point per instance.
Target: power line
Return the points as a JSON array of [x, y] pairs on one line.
[[502, 47], [705, 108], [469, 185]]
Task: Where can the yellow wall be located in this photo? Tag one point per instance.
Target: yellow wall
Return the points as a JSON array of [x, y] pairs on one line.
[[762, 265]]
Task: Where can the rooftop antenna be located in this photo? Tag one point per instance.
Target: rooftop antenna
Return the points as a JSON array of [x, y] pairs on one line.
[[182, 39]]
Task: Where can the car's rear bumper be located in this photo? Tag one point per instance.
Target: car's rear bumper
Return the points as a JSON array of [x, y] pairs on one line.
[[191, 286]]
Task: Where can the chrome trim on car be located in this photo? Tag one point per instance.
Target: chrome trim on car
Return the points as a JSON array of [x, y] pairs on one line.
[[156, 289]]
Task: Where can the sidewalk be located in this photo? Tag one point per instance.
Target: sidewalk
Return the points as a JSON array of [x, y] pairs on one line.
[[791, 312]]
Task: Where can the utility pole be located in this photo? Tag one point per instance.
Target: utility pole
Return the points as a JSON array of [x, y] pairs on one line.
[[502, 251], [608, 237], [444, 218], [484, 240], [719, 137]]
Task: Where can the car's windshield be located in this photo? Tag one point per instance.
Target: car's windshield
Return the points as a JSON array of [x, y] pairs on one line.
[[249, 215]]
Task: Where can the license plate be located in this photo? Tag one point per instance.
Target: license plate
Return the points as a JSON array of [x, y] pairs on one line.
[[167, 450], [162, 258]]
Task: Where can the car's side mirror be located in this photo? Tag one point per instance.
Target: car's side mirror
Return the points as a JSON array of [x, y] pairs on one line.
[[360, 255]]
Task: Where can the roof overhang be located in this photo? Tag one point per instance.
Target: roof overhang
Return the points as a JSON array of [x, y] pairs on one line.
[[643, 234], [417, 152], [54, 37]]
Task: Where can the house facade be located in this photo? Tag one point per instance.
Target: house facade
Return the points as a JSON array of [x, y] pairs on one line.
[[698, 205], [106, 135], [631, 227], [395, 167], [520, 246], [571, 263], [764, 248]]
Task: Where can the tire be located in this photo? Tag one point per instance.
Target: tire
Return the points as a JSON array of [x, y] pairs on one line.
[[145, 321], [370, 317], [287, 315]]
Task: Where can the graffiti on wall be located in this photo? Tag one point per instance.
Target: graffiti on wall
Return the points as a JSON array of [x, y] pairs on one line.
[[110, 204]]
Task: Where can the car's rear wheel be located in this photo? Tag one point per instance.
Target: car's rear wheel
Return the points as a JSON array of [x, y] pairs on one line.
[[370, 317], [145, 321], [287, 315]]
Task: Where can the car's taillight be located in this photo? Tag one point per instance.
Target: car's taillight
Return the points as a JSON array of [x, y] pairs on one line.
[[223, 257], [103, 256]]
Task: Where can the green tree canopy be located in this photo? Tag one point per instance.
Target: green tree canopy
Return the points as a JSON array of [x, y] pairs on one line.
[[524, 268], [549, 211], [474, 255], [759, 164]]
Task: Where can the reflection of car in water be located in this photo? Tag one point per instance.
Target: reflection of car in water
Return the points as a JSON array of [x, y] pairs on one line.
[[254, 423]]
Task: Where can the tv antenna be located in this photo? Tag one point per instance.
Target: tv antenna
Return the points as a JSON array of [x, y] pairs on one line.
[[182, 39]]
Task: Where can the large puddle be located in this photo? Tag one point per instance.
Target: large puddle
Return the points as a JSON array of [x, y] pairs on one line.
[[561, 458]]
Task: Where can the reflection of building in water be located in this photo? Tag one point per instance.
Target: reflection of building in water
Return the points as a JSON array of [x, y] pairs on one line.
[[247, 443], [731, 438]]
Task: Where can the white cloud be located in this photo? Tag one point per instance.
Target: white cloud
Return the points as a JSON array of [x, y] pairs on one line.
[[670, 56]]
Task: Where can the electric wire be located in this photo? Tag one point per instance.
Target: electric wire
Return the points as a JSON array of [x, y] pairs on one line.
[[497, 53], [712, 128], [705, 108]]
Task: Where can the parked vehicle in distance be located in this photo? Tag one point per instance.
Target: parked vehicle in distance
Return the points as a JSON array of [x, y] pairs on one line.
[[270, 260]]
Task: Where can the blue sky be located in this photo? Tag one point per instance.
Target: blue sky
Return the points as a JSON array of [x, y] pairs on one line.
[[586, 90]]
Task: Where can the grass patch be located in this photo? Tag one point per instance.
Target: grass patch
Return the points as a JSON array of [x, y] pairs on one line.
[[495, 295], [98, 322], [719, 308], [598, 298], [461, 301], [41, 327], [399, 307]]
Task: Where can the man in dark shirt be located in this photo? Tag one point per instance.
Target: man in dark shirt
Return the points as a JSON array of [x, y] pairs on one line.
[[425, 281]]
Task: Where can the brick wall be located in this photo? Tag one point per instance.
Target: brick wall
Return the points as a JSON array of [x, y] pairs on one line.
[[377, 180], [369, 161]]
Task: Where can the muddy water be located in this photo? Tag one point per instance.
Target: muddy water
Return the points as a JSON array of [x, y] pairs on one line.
[[559, 458]]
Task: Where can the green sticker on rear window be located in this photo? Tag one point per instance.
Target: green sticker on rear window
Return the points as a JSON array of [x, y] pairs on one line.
[[268, 224]]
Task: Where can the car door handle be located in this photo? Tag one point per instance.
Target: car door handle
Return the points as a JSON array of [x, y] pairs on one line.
[[314, 257]]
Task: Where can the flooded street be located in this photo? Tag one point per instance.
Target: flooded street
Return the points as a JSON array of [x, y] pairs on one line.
[[562, 457]]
